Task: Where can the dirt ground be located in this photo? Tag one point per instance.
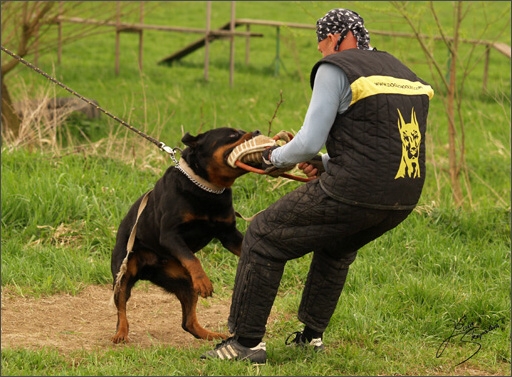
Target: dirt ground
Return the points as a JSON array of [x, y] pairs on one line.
[[87, 321]]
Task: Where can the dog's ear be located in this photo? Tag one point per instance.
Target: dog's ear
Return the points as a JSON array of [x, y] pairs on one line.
[[189, 140]]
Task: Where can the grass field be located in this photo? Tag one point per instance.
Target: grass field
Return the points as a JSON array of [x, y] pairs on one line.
[[442, 273]]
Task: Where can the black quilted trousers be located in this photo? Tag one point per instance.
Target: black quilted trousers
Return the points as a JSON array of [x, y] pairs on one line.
[[303, 221]]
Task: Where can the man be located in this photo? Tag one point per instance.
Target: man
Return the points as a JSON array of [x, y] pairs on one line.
[[370, 111]]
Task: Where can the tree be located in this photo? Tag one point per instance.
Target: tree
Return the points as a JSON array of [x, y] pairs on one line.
[[26, 29], [450, 86], [33, 16]]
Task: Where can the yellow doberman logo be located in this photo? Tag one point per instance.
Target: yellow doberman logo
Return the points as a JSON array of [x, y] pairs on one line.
[[411, 141]]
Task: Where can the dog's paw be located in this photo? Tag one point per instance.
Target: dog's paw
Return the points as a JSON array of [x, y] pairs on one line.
[[119, 338], [215, 335], [203, 286]]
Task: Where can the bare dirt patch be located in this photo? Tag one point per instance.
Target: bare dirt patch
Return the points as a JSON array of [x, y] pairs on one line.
[[87, 320]]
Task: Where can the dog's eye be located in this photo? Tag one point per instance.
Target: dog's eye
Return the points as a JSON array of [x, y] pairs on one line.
[[235, 135]]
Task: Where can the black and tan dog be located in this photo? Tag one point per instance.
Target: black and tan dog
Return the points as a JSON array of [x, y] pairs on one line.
[[188, 207]]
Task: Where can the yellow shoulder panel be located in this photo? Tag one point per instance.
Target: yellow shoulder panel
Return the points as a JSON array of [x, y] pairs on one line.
[[365, 87]]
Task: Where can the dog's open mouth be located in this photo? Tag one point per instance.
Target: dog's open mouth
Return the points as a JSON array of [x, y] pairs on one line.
[[228, 152], [249, 151]]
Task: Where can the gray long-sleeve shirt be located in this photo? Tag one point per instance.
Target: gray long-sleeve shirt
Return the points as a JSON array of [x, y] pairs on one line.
[[331, 96]]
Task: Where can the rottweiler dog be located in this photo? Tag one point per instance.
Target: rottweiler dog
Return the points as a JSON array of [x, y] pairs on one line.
[[189, 206]]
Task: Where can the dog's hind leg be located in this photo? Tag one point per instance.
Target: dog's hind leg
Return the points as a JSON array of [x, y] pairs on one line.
[[121, 297], [179, 282], [189, 322]]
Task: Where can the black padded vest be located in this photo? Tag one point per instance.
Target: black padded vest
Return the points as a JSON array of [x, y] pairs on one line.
[[377, 147]]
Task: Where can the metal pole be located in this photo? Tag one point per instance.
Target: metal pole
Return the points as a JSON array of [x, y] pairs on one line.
[[247, 43], [486, 68]]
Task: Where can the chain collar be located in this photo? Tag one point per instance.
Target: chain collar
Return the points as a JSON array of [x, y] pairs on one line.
[[197, 180], [183, 167]]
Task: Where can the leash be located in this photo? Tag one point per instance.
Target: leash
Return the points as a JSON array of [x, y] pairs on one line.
[[251, 169], [131, 242], [159, 144]]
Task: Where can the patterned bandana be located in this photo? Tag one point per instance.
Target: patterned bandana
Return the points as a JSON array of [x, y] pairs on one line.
[[341, 21]]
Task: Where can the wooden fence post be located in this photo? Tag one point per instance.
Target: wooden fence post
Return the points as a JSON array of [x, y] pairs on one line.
[[232, 45], [207, 39], [141, 37], [118, 21], [59, 35]]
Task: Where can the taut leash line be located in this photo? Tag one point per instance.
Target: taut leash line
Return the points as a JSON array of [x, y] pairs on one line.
[[159, 144]]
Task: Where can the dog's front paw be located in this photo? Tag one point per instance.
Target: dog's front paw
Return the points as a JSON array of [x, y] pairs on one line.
[[200, 282], [120, 338], [203, 286], [215, 335]]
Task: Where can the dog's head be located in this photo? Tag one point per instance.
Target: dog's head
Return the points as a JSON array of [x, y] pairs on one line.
[[207, 154]]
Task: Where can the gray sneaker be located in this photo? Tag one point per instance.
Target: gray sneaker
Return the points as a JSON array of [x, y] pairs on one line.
[[299, 341], [230, 349]]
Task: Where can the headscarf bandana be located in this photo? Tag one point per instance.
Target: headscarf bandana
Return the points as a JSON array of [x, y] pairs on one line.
[[341, 21]]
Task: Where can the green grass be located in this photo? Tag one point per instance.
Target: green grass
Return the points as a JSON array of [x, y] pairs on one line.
[[405, 291], [402, 296]]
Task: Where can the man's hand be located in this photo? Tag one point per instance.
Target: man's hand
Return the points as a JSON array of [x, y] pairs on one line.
[[266, 164], [312, 168]]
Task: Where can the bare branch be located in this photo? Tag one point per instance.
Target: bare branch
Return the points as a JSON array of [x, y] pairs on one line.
[[461, 62], [25, 30], [446, 41], [275, 112], [430, 58]]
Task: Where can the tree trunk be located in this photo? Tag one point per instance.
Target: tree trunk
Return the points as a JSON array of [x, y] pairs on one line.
[[10, 120], [452, 133]]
